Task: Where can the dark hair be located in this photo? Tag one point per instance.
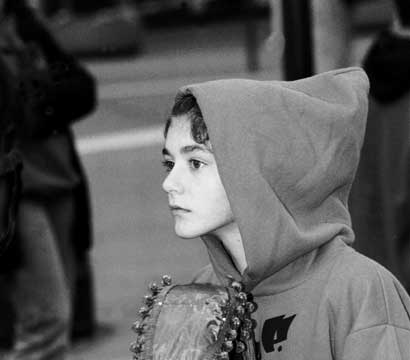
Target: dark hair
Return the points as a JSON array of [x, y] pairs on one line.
[[187, 105]]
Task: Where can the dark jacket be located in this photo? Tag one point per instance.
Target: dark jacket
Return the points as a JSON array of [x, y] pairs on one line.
[[52, 91], [54, 96]]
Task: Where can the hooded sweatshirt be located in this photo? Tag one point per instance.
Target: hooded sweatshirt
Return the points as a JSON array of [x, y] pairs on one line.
[[287, 153]]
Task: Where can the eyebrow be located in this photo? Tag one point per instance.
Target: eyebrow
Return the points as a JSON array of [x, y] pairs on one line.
[[188, 149]]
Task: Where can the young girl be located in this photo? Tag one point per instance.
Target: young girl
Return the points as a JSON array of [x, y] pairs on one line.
[[261, 172]]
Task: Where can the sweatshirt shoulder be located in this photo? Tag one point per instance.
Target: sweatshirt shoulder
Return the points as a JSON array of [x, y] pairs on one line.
[[366, 292], [353, 267], [356, 269]]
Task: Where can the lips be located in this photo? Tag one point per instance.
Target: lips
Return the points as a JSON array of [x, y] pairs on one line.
[[177, 208]]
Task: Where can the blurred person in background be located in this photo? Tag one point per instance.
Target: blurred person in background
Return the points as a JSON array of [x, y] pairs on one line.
[[380, 202], [380, 196], [10, 165], [54, 224], [10, 188]]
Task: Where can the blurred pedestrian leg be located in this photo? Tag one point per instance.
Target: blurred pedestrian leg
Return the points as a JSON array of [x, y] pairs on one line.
[[332, 34], [41, 288]]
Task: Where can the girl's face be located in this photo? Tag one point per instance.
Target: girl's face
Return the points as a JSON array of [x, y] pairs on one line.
[[196, 196]]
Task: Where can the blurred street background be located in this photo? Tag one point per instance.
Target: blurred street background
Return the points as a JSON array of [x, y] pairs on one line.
[[140, 53]]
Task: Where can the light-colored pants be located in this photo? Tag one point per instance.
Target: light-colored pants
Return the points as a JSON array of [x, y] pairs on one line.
[[41, 288], [331, 34]]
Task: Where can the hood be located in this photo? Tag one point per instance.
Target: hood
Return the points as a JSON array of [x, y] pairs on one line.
[[287, 153]]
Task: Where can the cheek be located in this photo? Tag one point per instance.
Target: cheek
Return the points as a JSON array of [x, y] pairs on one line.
[[216, 200], [211, 211]]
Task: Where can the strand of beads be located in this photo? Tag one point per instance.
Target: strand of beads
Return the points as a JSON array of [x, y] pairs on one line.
[[241, 325], [140, 326]]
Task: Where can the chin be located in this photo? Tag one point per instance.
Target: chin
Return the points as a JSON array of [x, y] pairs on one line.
[[187, 233], [184, 234]]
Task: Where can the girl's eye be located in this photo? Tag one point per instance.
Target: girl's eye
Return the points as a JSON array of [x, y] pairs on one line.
[[168, 165], [196, 164]]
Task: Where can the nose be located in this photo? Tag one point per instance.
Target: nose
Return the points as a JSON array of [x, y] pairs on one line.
[[172, 183]]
